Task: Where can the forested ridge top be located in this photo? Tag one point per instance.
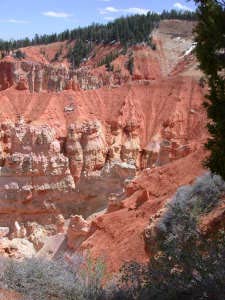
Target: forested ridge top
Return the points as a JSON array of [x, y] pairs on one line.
[[128, 30]]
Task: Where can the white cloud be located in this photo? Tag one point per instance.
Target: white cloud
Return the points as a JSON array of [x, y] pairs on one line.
[[54, 14], [14, 21], [109, 18], [130, 10], [108, 9], [180, 6], [137, 10]]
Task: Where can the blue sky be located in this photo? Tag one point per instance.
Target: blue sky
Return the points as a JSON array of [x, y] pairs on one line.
[[23, 18]]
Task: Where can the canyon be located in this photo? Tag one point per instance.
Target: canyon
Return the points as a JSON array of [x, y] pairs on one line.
[[88, 156]]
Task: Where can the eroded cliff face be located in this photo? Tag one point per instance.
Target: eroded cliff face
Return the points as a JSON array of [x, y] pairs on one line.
[[39, 77], [32, 167], [44, 173], [101, 152], [41, 176], [145, 198], [47, 170]]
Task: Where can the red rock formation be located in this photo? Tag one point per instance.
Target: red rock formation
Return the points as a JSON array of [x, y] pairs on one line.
[[122, 230], [100, 128], [9, 295], [16, 248], [213, 221], [6, 79], [78, 231], [34, 170], [36, 174]]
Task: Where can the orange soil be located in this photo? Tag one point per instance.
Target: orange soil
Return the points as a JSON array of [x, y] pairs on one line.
[[119, 235]]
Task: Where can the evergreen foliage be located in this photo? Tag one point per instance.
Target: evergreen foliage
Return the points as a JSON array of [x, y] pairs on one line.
[[108, 59], [79, 52], [19, 54], [57, 55], [130, 64], [210, 50], [109, 67], [179, 15], [127, 30]]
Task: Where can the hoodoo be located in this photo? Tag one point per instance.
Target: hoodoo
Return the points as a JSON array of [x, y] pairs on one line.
[[100, 129]]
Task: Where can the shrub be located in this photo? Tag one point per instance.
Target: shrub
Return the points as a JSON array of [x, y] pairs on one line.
[[19, 54], [90, 277], [190, 202], [108, 59], [151, 44], [109, 67], [202, 82], [184, 264], [39, 279], [58, 54], [130, 64]]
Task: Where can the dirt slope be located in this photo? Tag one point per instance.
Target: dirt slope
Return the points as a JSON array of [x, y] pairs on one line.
[[118, 236]]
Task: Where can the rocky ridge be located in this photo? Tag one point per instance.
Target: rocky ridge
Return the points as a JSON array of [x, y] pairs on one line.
[[38, 74], [97, 153]]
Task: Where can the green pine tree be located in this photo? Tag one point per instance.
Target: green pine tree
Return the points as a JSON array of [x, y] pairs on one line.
[[210, 50], [130, 64]]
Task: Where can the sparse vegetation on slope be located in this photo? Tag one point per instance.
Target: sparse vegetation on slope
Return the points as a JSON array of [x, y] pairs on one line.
[[108, 59], [126, 30], [79, 52], [130, 64], [40, 279], [184, 264]]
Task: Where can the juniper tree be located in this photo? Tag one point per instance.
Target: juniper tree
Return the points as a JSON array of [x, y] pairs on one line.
[[210, 50]]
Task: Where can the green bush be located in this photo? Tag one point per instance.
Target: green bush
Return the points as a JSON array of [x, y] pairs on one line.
[[130, 64], [19, 54]]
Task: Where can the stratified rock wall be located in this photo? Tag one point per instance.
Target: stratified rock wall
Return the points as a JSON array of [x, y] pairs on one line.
[[41, 175], [38, 175], [34, 174], [39, 77]]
